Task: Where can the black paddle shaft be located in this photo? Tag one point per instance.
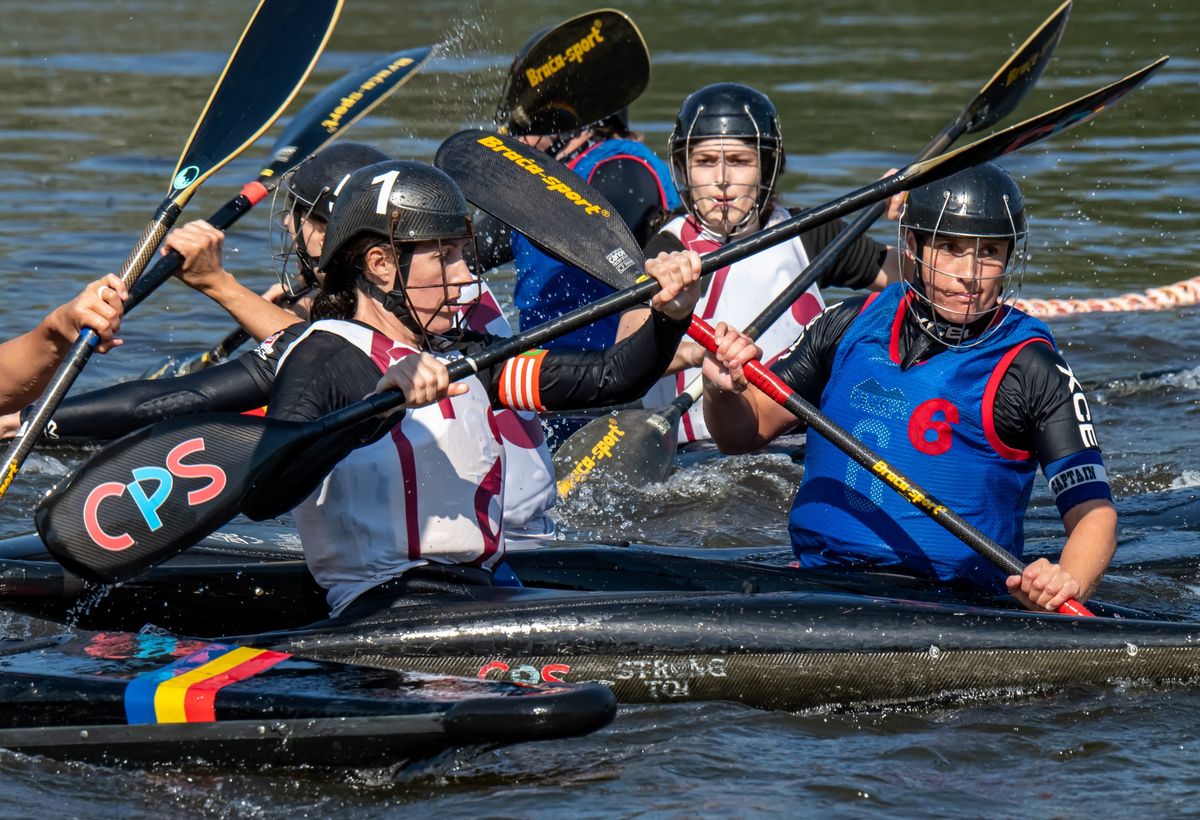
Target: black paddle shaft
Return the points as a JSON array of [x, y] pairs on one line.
[[319, 122]]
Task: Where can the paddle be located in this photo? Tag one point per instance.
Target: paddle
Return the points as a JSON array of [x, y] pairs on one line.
[[543, 93], [87, 521], [645, 451], [323, 119], [273, 58]]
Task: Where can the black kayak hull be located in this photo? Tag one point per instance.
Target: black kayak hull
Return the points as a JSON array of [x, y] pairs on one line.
[[769, 650], [654, 625], [152, 698]]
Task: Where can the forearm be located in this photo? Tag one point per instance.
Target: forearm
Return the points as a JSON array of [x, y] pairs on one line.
[[28, 361], [256, 315], [1091, 542], [732, 419]]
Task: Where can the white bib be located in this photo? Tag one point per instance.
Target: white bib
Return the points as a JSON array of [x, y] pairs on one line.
[[430, 490], [736, 295]]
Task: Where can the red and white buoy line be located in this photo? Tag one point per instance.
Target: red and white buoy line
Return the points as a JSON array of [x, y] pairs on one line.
[[1180, 294]]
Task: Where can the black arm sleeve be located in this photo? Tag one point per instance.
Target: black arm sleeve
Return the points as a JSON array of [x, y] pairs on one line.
[[1037, 404], [493, 242], [662, 242], [808, 363], [570, 379], [324, 373], [857, 266], [123, 408], [634, 191]]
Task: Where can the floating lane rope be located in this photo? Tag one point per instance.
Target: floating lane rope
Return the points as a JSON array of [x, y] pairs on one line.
[[1169, 297]]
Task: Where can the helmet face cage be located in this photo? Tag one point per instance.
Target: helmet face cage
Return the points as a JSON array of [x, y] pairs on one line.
[[953, 333], [294, 266], [769, 155], [399, 301]]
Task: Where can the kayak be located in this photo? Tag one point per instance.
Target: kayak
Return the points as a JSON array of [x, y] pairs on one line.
[[119, 698], [654, 625]]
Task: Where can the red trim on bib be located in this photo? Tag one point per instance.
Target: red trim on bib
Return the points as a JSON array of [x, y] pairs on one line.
[[989, 403]]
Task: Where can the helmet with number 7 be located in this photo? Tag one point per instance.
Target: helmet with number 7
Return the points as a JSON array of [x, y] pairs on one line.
[[396, 204], [397, 201]]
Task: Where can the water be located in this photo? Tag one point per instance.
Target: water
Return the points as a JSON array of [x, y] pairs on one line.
[[99, 98]]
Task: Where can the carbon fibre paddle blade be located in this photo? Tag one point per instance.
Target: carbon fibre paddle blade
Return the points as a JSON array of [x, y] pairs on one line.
[[158, 491]]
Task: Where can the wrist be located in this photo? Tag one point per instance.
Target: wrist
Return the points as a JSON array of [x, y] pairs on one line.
[[217, 285], [57, 328]]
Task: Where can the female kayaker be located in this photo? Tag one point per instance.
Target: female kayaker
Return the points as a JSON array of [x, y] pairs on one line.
[[424, 485], [28, 361], [307, 197], [727, 154], [955, 388]]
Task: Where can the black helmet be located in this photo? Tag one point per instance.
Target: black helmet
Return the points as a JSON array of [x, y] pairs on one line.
[[397, 201], [728, 110], [981, 201], [309, 191], [314, 183]]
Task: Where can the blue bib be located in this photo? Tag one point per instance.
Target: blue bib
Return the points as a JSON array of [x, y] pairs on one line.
[[934, 423], [547, 288]]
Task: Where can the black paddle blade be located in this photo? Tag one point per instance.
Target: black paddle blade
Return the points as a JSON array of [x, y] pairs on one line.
[[1001, 95], [633, 447], [1034, 129], [575, 74], [341, 105], [156, 492], [538, 196], [277, 52]]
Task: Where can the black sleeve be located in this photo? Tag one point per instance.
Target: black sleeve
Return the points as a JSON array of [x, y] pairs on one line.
[[262, 362], [322, 374], [493, 242], [807, 365], [571, 379], [634, 191], [662, 242], [1037, 404], [857, 266], [123, 408]]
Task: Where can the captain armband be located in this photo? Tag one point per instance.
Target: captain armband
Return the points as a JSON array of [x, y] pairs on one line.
[[521, 381], [1077, 478]]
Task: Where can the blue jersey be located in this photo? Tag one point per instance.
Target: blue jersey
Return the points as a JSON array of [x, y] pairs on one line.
[[934, 423], [547, 288]]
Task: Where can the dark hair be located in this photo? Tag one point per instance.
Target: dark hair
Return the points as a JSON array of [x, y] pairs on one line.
[[338, 297]]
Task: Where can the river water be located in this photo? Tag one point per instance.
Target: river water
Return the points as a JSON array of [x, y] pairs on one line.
[[100, 96]]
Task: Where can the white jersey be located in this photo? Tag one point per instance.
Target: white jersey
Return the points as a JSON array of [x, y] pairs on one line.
[[430, 490], [736, 295], [529, 491]]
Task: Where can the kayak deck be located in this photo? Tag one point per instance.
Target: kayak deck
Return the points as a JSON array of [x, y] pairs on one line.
[[122, 698]]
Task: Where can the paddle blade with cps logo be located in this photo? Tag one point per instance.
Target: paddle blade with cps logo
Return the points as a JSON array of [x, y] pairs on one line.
[[161, 488]]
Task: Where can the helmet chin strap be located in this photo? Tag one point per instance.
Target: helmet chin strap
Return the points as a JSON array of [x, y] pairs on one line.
[[395, 300]]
